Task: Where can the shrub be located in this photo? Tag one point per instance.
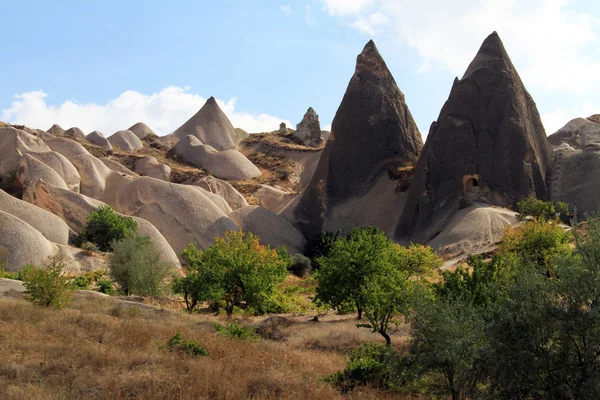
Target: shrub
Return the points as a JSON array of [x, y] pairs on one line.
[[137, 266], [104, 227], [82, 282], [47, 286], [300, 266], [236, 332], [190, 347], [235, 269], [541, 210], [8, 275], [370, 364], [119, 311], [106, 286], [89, 248]]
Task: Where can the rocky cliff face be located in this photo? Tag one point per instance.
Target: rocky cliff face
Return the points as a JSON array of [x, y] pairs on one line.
[[488, 144], [373, 132], [308, 131]]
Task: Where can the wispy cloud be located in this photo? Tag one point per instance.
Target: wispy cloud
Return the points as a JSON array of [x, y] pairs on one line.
[[286, 10], [163, 111], [308, 17]]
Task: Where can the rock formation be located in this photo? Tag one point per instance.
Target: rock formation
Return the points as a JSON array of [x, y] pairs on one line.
[[283, 129], [223, 189], [211, 126], [488, 143], [141, 130], [115, 166], [373, 133], [98, 139], [74, 133], [62, 166], [149, 166], [308, 131], [31, 169], [269, 227], [577, 133], [227, 164], [56, 130], [126, 140], [13, 144]]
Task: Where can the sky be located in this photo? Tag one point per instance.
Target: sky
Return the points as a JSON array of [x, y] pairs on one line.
[[105, 65]]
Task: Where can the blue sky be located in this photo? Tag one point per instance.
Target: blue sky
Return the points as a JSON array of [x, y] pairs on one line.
[[106, 65]]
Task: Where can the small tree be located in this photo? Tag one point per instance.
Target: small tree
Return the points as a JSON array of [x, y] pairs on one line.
[[47, 286], [137, 266], [235, 269], [541, 210], [104, 226]]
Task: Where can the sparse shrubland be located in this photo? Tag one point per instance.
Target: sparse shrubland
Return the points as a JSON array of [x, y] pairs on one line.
[[47, 286]]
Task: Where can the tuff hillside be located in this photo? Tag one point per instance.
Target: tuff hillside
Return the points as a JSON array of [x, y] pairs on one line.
[[488, 144]]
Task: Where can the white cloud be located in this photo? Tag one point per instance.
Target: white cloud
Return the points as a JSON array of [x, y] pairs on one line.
[[163, 111], [551, 43], [308, 17], [558, 117], [346, 7], [286, 10]]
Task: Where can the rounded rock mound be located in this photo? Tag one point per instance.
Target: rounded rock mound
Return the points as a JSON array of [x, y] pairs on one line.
[[126, 140]]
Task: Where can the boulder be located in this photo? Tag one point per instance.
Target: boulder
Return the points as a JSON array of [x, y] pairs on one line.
[[74, 133], [308, 131], [98, 139], [63, 167], [577, 133], [373, 134], [228, 164], [273, 199], [488, 144], [74, 208], [141, 130], [149, 166], [181, 213], [22, 244], [283, 128], [269, 227], [168, 140], [223, 189], [125, 140], [118, 167], [49, 225], [56, 130], [211, 126], [13, 144]]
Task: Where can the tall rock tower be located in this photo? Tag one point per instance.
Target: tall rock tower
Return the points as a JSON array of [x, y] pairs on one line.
[[372, 134], [488, 144]]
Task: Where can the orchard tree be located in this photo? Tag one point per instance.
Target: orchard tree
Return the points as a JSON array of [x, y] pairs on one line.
[[104, 227]]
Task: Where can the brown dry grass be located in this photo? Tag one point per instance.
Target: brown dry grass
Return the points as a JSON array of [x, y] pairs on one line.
[[276, 140], [85, 353]]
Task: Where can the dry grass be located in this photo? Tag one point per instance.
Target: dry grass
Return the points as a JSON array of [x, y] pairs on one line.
[[3, 124], [595, 118], [84, 352], [277, 140]]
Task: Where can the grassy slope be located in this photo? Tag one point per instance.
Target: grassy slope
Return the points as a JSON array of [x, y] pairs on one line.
[[84, 352]]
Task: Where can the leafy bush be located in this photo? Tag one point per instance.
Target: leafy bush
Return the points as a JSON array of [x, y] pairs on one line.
[[47, 286], [137, 266], [236, 332], [104, 227], [235, 269], [190, 347], [106, 286], [82, 282], [8, 275], [541, 210], [370, 364]]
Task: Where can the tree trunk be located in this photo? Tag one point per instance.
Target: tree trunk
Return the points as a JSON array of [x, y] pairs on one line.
[[359, 311], [388, 341], [229, 310]]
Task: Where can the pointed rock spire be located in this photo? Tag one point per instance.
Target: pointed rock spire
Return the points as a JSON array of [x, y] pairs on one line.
[[211, 126], [373, 132], [487, 144]]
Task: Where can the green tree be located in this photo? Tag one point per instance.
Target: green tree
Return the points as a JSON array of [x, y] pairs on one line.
[[541, 210], [137, 266], [236, 269], [104, 227], [47, 286]]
